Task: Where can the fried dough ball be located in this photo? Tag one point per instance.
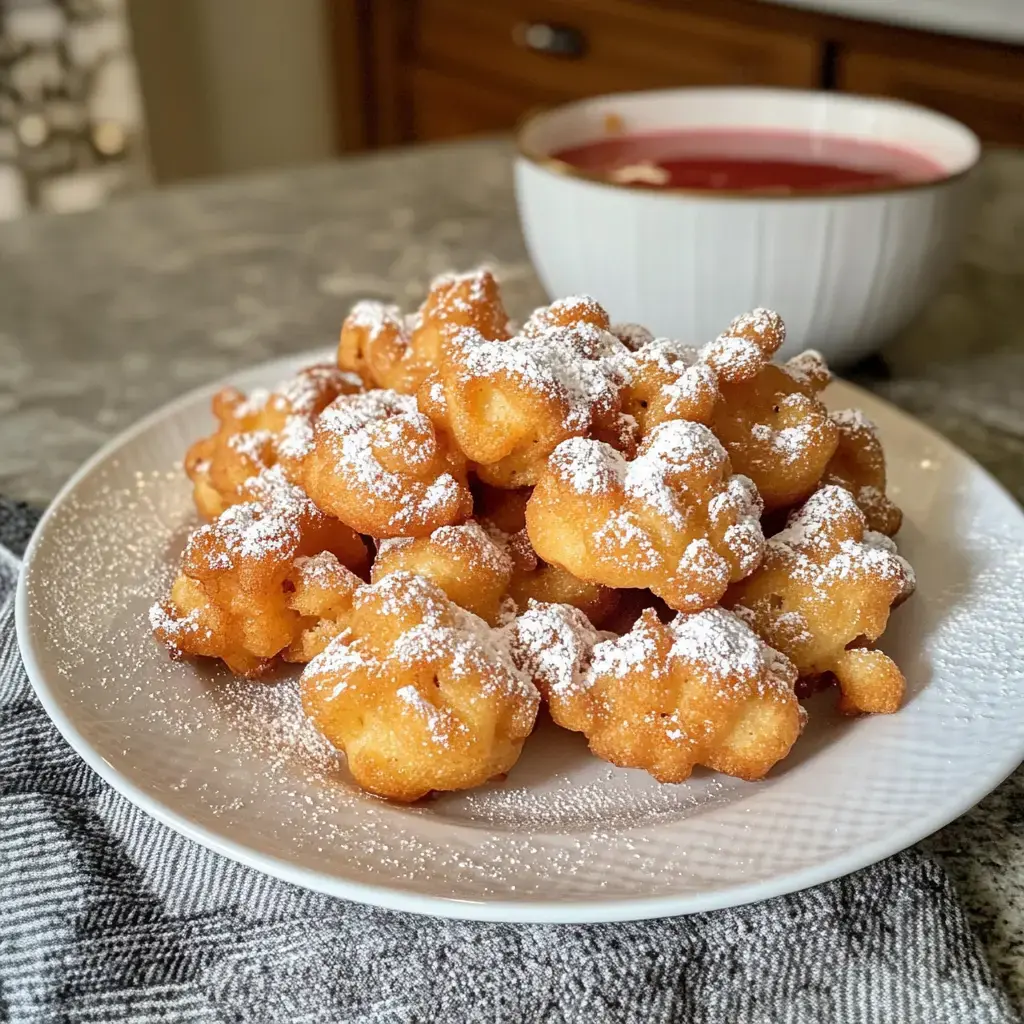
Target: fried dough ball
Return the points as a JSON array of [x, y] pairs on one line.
[[503, 514], [825, 588], [252, 430], [859, 466], [391, 351], [320, 590], [231, 598], [662, 380], [378, 464], [536, 580], [702, 689], [769, 418], [419, 693], [463, 561], [674, 520], [508, 404], [746, 348]]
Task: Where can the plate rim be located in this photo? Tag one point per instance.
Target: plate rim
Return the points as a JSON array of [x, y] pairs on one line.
[[526, 910]]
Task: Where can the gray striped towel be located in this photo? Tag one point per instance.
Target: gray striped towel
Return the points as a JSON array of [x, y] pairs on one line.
[[107, 916]]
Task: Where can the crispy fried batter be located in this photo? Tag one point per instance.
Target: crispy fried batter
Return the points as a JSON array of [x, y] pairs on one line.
[[770, 420], [662, 380], [391, 351], [419, 693], [503, 514], [699, 690], [230, 599], [674, 520], [825, 587], [378, 464], [464, 561], [253, 430], [320, 591], [508, 404], [859, 466]]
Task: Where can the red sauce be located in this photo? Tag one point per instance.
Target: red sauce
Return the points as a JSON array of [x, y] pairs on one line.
[[750, 161]]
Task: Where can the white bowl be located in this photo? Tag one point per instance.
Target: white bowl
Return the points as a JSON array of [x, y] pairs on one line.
[[845, 270]]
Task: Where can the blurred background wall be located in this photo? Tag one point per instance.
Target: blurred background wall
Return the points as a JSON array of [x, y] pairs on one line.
[[233, 85], [101, 97]]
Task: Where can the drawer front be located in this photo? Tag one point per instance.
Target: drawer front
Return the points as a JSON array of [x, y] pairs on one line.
[[988, 98], [447, 107], [572, 48]]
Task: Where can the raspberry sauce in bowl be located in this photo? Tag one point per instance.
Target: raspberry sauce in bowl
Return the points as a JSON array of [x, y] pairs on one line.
[[678, 207], [749, 160]]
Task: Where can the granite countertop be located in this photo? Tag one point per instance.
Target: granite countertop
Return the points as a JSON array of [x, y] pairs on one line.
[[104, 316]]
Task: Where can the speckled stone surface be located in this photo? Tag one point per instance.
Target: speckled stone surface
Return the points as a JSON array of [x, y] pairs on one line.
[[105, 316]]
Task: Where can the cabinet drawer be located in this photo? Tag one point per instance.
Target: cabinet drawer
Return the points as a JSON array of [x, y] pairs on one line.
[[446, 107], [613, 45], [984, 89]]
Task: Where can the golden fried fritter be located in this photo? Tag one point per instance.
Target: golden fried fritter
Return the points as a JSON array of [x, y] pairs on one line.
[[662, 380], [377, 463], [674, 520], [419, 693], [503, 514], [391, 351], [230, 599], [464, 561], [320, 591], [508, 404], [769, 418], [859, 466], [665, 697], [253, 430], [825, 588]]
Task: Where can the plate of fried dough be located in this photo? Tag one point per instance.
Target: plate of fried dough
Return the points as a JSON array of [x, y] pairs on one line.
[[548, 621]]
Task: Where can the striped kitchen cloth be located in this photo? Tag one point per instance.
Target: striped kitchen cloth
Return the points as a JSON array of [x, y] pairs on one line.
[[107, 916]]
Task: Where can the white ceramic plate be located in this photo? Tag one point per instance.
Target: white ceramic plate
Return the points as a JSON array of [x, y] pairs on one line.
[[566, 837]]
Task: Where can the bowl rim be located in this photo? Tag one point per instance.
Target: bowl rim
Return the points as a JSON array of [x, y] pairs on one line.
[[562, 168]]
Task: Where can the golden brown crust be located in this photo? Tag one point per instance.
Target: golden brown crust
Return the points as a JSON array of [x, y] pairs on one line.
[[230, 599], [826, 587], [379, 465], [255, 433], [389, 351], [859, 465], [674, 520], [420, 694], [509, 403], [700, 690], [464, 561], [777, 433], [663, 380]]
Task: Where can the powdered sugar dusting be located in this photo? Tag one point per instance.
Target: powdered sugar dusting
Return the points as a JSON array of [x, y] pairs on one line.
[[360, 422], [853, 420], [809, 369], [377, 317], [268, 525], [564, 364], [619, 657], [633, 336], [553, 643], [751, 340], [822, 550]]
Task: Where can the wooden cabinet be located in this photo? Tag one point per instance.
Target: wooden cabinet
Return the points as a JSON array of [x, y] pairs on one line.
[[438, 69], [541, 50], [981, 86]]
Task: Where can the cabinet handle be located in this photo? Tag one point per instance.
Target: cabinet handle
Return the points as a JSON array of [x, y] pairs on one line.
[[552, 40]]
